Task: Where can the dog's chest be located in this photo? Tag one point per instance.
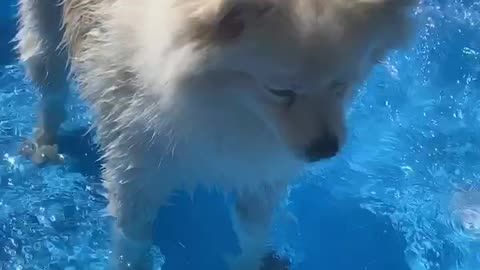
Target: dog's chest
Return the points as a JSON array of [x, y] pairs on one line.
[[227, 162]]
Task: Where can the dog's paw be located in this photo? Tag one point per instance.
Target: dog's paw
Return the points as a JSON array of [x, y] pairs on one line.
[[270, 261], [41, 154], [273, 261], [243, 262], [121, 263]]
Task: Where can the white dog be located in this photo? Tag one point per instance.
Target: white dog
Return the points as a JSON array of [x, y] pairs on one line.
[[236, 94]]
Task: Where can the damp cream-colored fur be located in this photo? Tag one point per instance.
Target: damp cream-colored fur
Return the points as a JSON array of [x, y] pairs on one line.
[[231, 94]]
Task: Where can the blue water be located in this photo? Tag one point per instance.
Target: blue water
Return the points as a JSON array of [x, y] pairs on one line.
[[381, 205]]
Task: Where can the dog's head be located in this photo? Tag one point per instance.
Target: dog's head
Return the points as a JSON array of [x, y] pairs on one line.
[[296, 62]]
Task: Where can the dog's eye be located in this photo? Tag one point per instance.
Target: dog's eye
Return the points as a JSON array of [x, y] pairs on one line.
[[288, 95]]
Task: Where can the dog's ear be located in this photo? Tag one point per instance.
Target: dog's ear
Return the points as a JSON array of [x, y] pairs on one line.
[[237, 15]]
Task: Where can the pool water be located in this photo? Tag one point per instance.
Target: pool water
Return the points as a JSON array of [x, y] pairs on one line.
[[384, 204]]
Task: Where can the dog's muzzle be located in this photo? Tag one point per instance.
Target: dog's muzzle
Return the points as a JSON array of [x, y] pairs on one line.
[[323, 148]]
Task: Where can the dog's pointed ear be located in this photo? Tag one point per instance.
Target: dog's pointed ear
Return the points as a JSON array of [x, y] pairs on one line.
[[237, 15]]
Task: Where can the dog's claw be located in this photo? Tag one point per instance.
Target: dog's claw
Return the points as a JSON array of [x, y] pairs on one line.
[[272, 261], [41, 154]]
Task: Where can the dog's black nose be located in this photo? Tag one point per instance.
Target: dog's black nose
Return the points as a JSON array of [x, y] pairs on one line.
[[324, 147]]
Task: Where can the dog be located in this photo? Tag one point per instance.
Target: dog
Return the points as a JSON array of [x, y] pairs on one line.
[[233, 94]]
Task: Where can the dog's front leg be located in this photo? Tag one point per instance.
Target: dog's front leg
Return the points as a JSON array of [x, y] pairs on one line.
[[45, 64], [134, 203], [252, 221], [130, 252]]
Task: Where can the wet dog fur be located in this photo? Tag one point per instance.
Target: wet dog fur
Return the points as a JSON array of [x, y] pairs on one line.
[[234, 94]]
